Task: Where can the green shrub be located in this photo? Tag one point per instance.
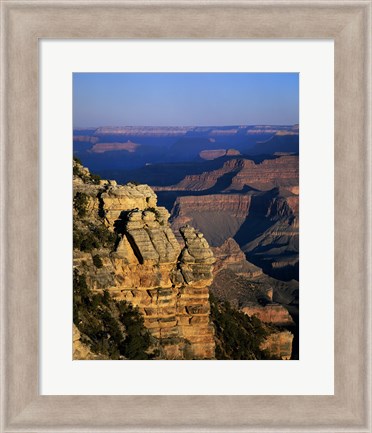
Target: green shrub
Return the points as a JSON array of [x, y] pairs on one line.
[[97, 261], [81, 203], [77, 160], [95, 178], [93, 237]]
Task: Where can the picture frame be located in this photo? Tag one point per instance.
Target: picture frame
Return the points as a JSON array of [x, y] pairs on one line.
[[24, 23]]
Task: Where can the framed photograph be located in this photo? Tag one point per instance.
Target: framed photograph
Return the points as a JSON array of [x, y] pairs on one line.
[[186, 216]]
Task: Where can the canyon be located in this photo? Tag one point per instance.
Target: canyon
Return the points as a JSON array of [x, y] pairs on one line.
[[256, 204], [201, 220]]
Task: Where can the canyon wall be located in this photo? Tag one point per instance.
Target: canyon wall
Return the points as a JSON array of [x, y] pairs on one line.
[[236, 173]]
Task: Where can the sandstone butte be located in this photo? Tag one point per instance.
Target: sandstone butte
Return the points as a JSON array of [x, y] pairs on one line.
[[168, 283], [129, 146]]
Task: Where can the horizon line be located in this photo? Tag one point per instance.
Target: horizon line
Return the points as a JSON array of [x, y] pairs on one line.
[[186, 126]]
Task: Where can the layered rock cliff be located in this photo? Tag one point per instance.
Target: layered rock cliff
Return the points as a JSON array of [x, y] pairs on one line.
[[147, 267], [254, 202], [264, 224], [236, 173], [126, 254]]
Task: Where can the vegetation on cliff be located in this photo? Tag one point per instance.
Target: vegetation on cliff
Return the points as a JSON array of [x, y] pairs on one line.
[[83, 174], [237, 335], [89, 229], [111, 329]]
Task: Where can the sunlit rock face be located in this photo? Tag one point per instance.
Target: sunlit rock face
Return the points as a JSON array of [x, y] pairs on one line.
[[169, 283]]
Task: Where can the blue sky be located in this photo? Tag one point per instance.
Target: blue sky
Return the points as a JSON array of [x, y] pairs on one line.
[[185, 99]]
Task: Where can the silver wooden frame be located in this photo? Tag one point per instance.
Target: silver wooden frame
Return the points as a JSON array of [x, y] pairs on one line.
[[23, 24]]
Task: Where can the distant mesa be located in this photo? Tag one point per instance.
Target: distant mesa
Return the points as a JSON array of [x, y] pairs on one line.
[[85, 139], [217, 153], [129, 146]]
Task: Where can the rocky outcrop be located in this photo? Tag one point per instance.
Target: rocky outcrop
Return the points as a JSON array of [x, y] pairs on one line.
[[270, 313], [167, 284], [115, 200], [278, 345], [80, 349], [149, 269]]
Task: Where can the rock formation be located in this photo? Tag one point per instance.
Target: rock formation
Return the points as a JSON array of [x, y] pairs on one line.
[[129, 146], [80, 349], [169, 278], [150, 270]]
